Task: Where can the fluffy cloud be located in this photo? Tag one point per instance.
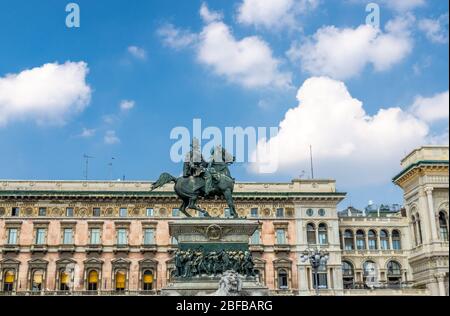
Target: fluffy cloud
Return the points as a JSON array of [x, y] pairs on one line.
[[432, 109], [126, 105], [49, 94], [87, 133], [436, 30], [248, 62], [137, 52], [111, 138], [273, 14], [344, 137], [343, 53], [176, 38]]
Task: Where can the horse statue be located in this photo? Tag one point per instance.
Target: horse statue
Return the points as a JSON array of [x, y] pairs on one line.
[[208, 182]]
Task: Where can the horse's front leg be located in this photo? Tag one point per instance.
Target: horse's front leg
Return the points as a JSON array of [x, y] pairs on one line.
[[229, 198], [183, 209], [193, 205]]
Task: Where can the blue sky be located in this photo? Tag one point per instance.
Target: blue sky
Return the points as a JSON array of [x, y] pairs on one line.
[[232, 65]]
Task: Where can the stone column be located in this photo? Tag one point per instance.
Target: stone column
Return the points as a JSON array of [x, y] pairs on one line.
[[440, 277], [429, 192], [302, 280]]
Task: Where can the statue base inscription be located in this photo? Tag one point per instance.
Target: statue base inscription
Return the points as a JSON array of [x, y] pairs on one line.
[[213, 258]]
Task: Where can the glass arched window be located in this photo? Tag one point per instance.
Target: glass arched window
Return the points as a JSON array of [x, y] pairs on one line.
[[394, 273], [64, 281], [373, 244], [384, 239], [9, 278], [370, 273], [283, 279], [348, 275], [121, 279], [348, 240], [443, 226], [37, 280], [360, 240], [396, 240], [93, 280], [311, 234], [323, 234], [147, 280]]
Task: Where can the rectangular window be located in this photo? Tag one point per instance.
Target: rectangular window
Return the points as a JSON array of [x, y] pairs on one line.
[[149, 212], [96, 212], [69, 212], [280, 212], [122, 236], [372, 244], [15, 211], [322, 280], [175, 212], [396, 244], [40, 236], [174, 241], [255, 239], [227, 212], [123, 212], [12, 236], [384, 244], [254, 212], [95, 236], [149, 236], [67, 236], [281, 236], [42, 211]]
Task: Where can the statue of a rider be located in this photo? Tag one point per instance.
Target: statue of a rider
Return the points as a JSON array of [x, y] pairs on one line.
[[194, 164], [217, 166]]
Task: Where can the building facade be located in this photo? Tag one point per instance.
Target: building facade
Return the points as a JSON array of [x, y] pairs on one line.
[[90, 237]]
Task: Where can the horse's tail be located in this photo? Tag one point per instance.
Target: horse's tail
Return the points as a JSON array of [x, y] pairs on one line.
[[163, 179]]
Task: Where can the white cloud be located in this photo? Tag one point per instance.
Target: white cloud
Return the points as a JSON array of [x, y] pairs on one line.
[[344, 53], [436, 30], [348, 144], [404, 5], [432, 109], [176, 38], [111, 138], [49, 94], [137, 52], [209, 16], [273, 14], [126, 105], [87, 133]]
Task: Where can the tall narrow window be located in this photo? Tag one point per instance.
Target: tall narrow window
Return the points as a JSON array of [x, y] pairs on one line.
[[348, 240], [176, 212], [9, 279], [394, 274], [96, 212], [227, 212], [68, 236], [373, 243], [69, 212], [255, 239], [311, 234], [95, 236], [37, 280], [149, 212], [15, 211], [323, 234], [123, 212], [384, 239], [92, 280], [147, 280], [64, 281], [443, 226], [396, 240], [360, 240], [42, 211], [281, 236], [12, 236], [283, 279], [121, 278], [149, 236], [122, 237], [254, 212], [340, 240], [280, 212], [348, 275], [40, 236], [322, 278], [419, 229]]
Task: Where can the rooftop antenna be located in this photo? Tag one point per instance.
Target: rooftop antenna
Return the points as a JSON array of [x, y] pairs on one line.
[[312, 166], [86, 171]]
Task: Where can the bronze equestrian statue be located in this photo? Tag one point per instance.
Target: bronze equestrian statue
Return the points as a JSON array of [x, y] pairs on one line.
[[202, 179]]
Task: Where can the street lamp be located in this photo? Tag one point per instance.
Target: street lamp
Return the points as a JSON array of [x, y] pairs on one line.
[[317, 258]]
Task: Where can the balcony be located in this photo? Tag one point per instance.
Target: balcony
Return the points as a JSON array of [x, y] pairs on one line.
[[121, 248], [281, 248], [39, 248], [10, 248], [148, 248], [66, 248], [94, 248], [256, 247]]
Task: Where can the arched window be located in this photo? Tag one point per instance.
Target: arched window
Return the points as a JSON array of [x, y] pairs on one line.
[[348, 275], [443, 225], [37, 280], [360, 240], [384, 239], [394, 273], [121, 279], [373, 243], [323, 234], [311, 234], [348, 240], [370, 273], [283, 279], [9, 279], [93, 280], [147, 280], [64, 281], [396, 240]]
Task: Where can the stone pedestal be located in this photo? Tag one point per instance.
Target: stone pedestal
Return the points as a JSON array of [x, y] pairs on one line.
[[208, 235]]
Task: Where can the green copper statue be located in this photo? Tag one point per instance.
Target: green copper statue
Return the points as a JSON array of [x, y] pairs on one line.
[[202, 179]]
